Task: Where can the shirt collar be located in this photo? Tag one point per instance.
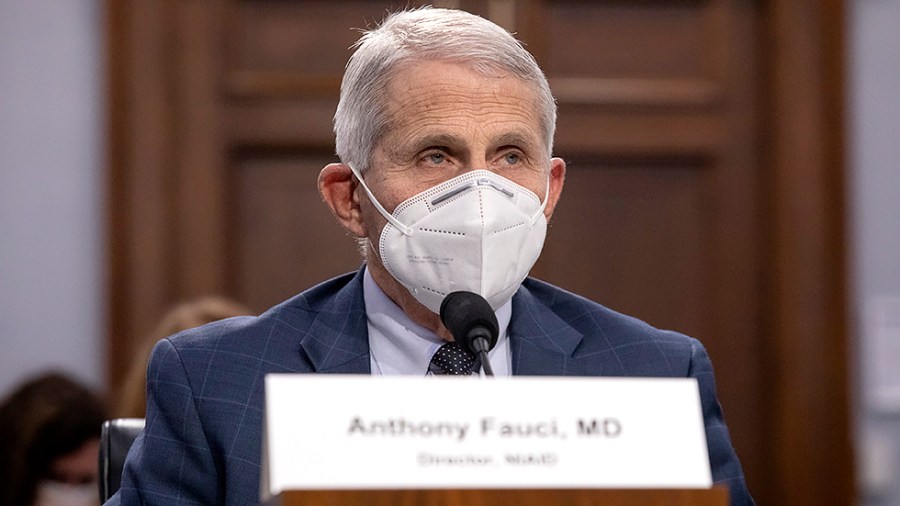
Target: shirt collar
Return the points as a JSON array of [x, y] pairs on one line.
[[399, 345]]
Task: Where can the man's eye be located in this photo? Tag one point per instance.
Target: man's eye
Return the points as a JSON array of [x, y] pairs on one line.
[[512, 158], [436, 158]]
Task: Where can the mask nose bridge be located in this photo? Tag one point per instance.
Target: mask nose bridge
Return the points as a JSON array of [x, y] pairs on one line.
[[483, 181], [468, 185]]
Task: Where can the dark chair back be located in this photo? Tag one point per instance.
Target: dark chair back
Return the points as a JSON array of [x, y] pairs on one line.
[[116, 437]]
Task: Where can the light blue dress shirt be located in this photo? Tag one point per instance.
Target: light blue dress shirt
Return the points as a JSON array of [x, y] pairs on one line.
[[398, 345]]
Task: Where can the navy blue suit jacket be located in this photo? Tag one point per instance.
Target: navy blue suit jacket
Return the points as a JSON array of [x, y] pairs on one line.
[[201, 444]]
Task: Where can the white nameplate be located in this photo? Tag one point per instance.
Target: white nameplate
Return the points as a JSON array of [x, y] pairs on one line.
[[355, 432]]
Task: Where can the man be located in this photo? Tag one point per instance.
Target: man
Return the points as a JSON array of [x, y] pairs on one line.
[[444, 130]]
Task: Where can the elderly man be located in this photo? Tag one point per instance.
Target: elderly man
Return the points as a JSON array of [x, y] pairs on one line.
[[444, 131]]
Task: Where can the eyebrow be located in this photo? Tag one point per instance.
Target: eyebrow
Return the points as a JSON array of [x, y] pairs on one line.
[[517, 139], [431, 140]]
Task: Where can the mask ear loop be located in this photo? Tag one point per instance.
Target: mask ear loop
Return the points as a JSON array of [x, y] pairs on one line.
[[540, 210], [393, 221]]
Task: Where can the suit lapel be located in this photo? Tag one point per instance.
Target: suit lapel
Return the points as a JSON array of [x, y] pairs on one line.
[[542, 342], [337, 339]]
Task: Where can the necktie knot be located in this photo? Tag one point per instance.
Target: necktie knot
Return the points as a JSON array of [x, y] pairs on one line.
[[452, 358]]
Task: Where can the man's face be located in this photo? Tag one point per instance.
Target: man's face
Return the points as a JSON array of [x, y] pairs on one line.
[[445, 119]]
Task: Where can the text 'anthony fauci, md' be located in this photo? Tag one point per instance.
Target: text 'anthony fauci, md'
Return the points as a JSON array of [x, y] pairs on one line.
[[536, 438]]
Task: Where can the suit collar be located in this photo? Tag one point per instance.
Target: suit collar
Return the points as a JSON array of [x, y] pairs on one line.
[[542, 342]]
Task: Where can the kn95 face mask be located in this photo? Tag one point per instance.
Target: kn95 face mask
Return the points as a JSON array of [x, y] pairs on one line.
[[478, 232]]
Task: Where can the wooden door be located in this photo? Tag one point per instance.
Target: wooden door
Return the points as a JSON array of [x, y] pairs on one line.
[[704, 161]]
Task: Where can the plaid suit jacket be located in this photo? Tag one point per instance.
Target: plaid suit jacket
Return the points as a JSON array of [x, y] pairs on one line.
[[202, 440]]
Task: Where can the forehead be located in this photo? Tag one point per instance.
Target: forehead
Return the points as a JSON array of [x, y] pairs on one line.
[[441, 96]]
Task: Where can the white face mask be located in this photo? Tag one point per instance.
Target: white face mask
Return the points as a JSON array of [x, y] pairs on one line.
[[54, 493], [477, 232]]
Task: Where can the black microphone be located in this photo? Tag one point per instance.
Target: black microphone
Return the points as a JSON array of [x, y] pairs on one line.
[[473, 324]]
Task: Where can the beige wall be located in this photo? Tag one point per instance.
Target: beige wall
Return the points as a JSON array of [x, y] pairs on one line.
[[51, 242], [874, 157]]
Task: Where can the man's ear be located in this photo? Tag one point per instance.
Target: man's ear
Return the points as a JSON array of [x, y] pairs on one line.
[[557, 179], [338, 185]]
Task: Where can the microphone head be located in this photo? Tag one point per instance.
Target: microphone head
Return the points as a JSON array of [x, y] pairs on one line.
[[468, 315]]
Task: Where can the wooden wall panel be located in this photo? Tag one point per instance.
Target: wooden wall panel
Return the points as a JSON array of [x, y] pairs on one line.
[[807, 268], [309, 38], [633, 226], [198, 228], [281, 123], [282, 234], [593, 128], [667, 89], [627, 39]]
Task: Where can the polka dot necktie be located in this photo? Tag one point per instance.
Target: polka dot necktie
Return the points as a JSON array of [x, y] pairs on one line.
[[452, 358]]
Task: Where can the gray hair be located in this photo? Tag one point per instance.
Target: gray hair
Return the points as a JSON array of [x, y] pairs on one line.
[[425, 34]]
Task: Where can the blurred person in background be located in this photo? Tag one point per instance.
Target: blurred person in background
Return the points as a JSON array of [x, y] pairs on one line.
[[49, 443], [132, 398]]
